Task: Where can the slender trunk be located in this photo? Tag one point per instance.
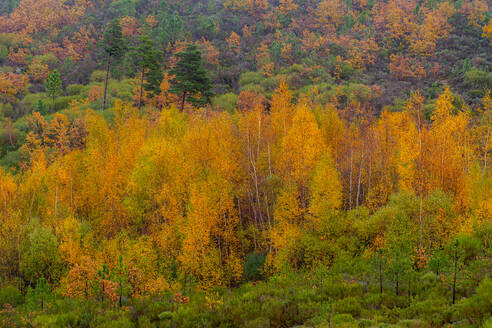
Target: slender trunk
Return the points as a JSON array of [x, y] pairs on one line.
[[396, 284], [420, 179], [56, 205], [380, 276], [358, 182], [141, 89], [409, 291], [486, 150], [183, 101], [455, 269], [71, 192], [121, 293], [106, 84], [351, 174]]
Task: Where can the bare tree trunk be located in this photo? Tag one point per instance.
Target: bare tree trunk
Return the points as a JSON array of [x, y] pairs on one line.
[[455, 269], [380, 275], [358, 182], [56, 205], [183, 101], [486, 150], [397, 284], [106, 84], [141, 89], [421, 182], [351, 174]]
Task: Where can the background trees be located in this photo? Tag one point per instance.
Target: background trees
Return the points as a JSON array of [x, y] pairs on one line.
[[146, 59], [53, 86], [113, 45], [190, 80]]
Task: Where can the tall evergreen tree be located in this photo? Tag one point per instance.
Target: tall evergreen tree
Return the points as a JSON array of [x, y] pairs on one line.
[[146, 59], [53, 86], [190, 80], [114, 48]]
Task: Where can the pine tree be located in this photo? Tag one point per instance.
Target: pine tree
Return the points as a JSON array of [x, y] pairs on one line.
[[146, 60], [113, 48], [53, 86], [191, 81]]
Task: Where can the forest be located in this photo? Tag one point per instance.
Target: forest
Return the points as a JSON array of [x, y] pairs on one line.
[[245, 163]]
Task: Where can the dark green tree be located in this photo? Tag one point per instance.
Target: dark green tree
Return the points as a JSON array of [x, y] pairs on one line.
[[121, 278], [114, 49], [37, 297], [191, 81], [146, 59], [41, 107], [53, 86]]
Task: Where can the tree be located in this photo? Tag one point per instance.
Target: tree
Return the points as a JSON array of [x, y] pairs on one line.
[[53, 86], [40, 257], [146, 59], [39, 295], [113, 48], [190, 78]]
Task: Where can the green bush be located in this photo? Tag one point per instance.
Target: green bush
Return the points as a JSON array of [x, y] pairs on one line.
[[40, 255], [250, 78], [61, 102], [11, 295], [479, 306], [253, 266], [344, 319], [74, 89], [31, 100], [349, 305], [226, 102], [98, 76], [11, 159], [259, 322]]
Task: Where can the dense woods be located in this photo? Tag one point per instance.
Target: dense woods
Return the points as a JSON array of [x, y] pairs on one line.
[[251, 163]]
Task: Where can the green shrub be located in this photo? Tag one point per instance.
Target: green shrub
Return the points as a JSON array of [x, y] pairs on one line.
[[62, 102], [119, 323], [11, 159], [349, 305], [479, 306], [341, 319], [259, 322], [31, 100], [74, 89], [11, 295], [250, 78], [40, 255], [253, 266], [226, 102], [98, 76]]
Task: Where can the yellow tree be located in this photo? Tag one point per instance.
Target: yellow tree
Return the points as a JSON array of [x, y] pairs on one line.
[[210, 248], [300, 150], [11, 228], [452, 153], [326, 191]]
